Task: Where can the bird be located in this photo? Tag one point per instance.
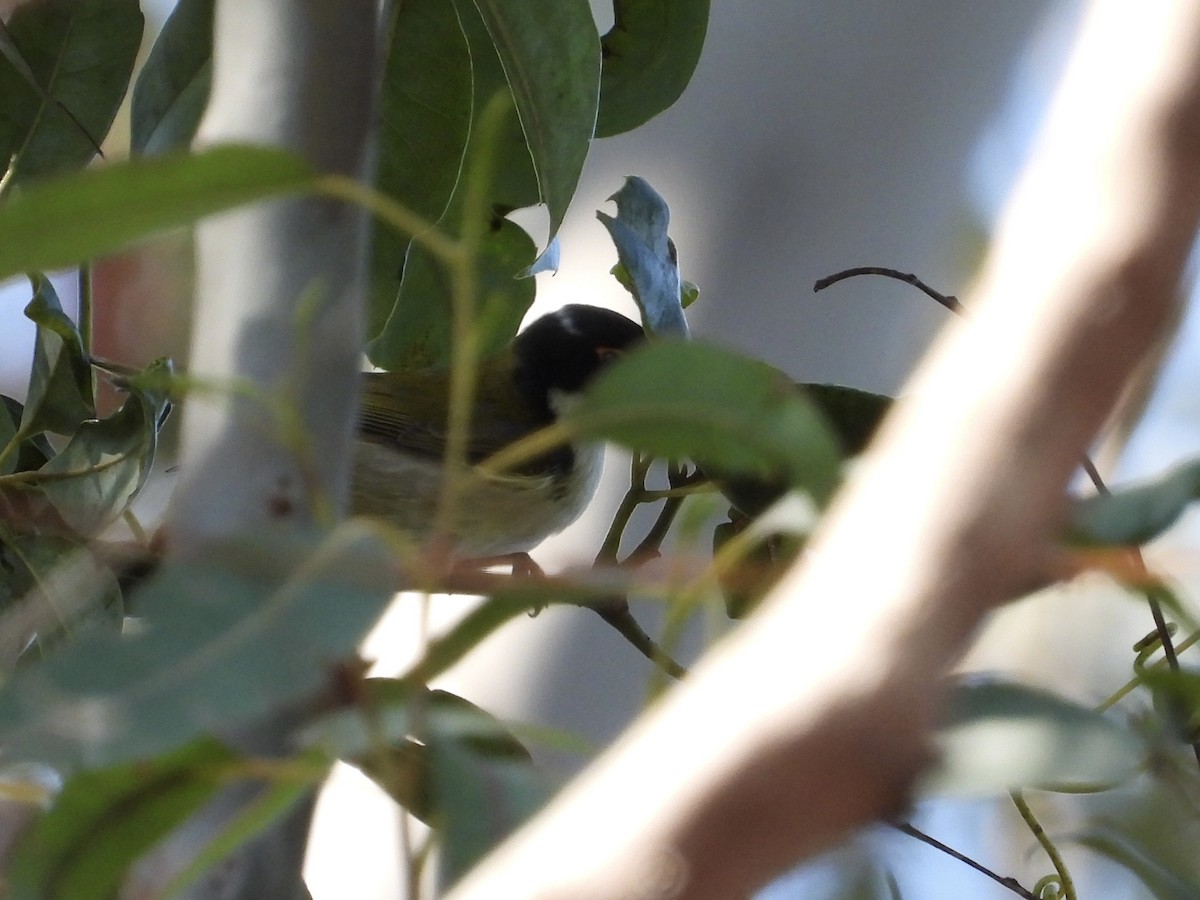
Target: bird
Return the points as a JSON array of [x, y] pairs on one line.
[[399, 451]]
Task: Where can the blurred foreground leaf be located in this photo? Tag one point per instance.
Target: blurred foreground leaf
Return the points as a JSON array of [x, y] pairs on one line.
[[999, 736]]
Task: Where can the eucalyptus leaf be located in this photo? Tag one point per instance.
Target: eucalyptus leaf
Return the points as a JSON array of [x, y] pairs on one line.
[[649, 268], [411, 292], [550, 51], [418, 337], [481, 799], [649, 54], [67, 220], [31, 452], [173, 86], [423, 130], [103, 821], [60, 394], [1135, 514], [682, 399], [104, 465], [1000, 735], [224, 642], [63, 75]]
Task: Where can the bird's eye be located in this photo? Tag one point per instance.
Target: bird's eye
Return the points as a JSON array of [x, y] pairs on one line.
[[607, 354]]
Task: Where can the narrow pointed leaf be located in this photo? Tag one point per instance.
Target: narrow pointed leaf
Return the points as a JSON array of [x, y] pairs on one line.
[[551, 54], [173, 86], [60, 382], [1135, 514], [76, 217]]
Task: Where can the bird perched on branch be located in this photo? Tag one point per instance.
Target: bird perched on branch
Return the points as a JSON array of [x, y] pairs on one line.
[[402, 430]]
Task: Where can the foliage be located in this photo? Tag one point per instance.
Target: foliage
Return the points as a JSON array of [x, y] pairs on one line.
[[486, 107]]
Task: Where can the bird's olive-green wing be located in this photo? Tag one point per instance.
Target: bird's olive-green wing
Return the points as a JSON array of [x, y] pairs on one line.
[[408, 410]]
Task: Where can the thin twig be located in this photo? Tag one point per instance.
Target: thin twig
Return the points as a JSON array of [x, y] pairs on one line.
[[1003, 880], [950, 302]]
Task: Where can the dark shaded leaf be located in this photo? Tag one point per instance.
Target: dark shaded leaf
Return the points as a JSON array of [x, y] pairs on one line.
[[649, 57], [31, 453], [418, 333], [550, 51], [76, 217], [424, 125], [410, 290], [172, 87], [999, 735], [731, 414], [60, 384], [225, 642], [79, 54], [104, 465], [104, 820]]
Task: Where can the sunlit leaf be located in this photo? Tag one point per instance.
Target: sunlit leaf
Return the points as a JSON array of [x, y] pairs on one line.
[[104, 820], [649, 56], [172, 87], [67, 220], [58, 102], [1000, 735]]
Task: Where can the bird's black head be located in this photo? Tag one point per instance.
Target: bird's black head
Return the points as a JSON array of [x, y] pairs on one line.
[[561, 351]]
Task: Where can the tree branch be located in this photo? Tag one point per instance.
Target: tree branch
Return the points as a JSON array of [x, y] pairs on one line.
[[777, 746]]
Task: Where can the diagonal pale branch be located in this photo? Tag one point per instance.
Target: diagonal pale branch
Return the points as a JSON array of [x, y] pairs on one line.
[[774, 748]]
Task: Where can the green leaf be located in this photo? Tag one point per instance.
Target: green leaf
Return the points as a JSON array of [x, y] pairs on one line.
[[60, 394], [103, 821], [418, 333], [551, 55], [467, 776], [999, 736], [481, 799], [689, 400], [649, 268], [424, 125], [76, 217], [103, 467], [854, 415], [59, 101], [172, 88], [1164, 881], [224, 642], [411, 291], [649, 57], [1136, 514], [30, 452]]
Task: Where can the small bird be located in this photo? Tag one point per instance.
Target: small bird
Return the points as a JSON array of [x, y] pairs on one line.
[[400, 447]]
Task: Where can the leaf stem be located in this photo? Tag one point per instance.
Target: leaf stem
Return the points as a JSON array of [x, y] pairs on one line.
[[1039, 834]]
